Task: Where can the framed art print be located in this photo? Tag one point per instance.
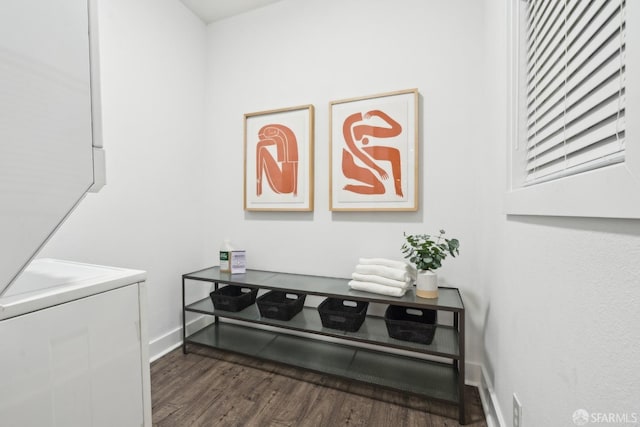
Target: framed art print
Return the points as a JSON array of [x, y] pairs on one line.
[[278, 160], [374, 153]]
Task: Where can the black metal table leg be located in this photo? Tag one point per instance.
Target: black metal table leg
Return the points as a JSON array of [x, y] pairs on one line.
[[184, 321]]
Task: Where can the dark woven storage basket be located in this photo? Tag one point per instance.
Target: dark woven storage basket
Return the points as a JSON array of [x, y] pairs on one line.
[[276, 305], [411, 327], [335, 314], [233, 298]]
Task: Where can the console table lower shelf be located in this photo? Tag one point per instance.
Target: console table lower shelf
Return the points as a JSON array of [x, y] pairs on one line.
[[422, 377]]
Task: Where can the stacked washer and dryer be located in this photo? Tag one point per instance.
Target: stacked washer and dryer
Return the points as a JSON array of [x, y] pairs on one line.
[[73, 340]]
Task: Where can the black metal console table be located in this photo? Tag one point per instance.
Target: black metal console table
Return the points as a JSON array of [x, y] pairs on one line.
[[434, 379]]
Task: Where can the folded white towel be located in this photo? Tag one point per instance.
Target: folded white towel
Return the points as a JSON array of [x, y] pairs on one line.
[[383, 261], [382, 271], [376, 288], [380, 280]]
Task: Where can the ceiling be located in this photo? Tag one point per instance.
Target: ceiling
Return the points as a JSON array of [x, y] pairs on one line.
[[214, 10]]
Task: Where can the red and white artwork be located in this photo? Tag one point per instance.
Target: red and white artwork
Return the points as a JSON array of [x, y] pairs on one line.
[[374, 152], [278, 159], [279, 171]]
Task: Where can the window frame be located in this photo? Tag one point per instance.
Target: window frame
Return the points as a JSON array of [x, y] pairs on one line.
[[607, 192]]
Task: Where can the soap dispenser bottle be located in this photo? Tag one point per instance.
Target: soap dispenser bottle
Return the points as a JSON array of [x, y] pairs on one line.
[[225, 256]]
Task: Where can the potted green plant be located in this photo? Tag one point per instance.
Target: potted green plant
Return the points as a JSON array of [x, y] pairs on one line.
[[427, 252]]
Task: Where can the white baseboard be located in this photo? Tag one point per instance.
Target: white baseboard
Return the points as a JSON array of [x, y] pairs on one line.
[[489, 400], [165, 344], [476, 374], [473, 374], [168, 342]]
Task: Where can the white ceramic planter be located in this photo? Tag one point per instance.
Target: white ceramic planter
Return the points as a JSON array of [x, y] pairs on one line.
[[427, 284]]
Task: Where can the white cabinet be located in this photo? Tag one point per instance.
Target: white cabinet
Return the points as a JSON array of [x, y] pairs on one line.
[[78, 363]]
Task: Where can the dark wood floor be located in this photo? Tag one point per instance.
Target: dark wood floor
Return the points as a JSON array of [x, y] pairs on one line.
[[212, 388]]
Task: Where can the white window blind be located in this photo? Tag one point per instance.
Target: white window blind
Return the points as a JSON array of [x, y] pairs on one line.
[[575, 87]]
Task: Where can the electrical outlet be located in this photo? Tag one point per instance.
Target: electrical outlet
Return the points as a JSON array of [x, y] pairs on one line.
[[517, 411]]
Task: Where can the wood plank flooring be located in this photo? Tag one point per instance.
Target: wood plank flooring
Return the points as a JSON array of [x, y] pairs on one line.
[[213, 388]]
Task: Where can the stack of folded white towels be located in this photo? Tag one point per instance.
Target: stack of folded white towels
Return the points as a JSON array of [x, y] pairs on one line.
[[382, 276]]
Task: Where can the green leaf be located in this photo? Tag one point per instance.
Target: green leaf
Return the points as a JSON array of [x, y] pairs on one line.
[[427, 252]]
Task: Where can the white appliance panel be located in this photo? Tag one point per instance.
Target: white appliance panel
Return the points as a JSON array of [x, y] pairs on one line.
[[46, 152], [83, 362]]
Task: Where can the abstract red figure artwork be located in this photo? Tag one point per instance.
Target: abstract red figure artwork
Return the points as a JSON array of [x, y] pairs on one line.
[[374, 152], [278, 159], [281, 172], [355, 133]]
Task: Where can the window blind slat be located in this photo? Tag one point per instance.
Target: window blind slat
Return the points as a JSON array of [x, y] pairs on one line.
[[595, 70], [537, 15], [601, 148], [574, 83], [594, 118], [532, 8], [583, 84], [595, 95], [543, 43], [590, 23], [560, 169], [576, 16], [543, 75], [605, 95], [564, 17], [547, 80], [593, 39], [589, 138], [571, 29]]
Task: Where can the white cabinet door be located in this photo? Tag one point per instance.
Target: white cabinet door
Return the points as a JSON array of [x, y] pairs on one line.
[[77, 364]]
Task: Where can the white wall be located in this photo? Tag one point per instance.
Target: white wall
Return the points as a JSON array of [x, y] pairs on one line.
[[315, 51], [562, 323], [148, 216]]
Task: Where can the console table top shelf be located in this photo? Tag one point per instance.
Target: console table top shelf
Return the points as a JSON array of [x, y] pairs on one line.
[[448, 298]]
